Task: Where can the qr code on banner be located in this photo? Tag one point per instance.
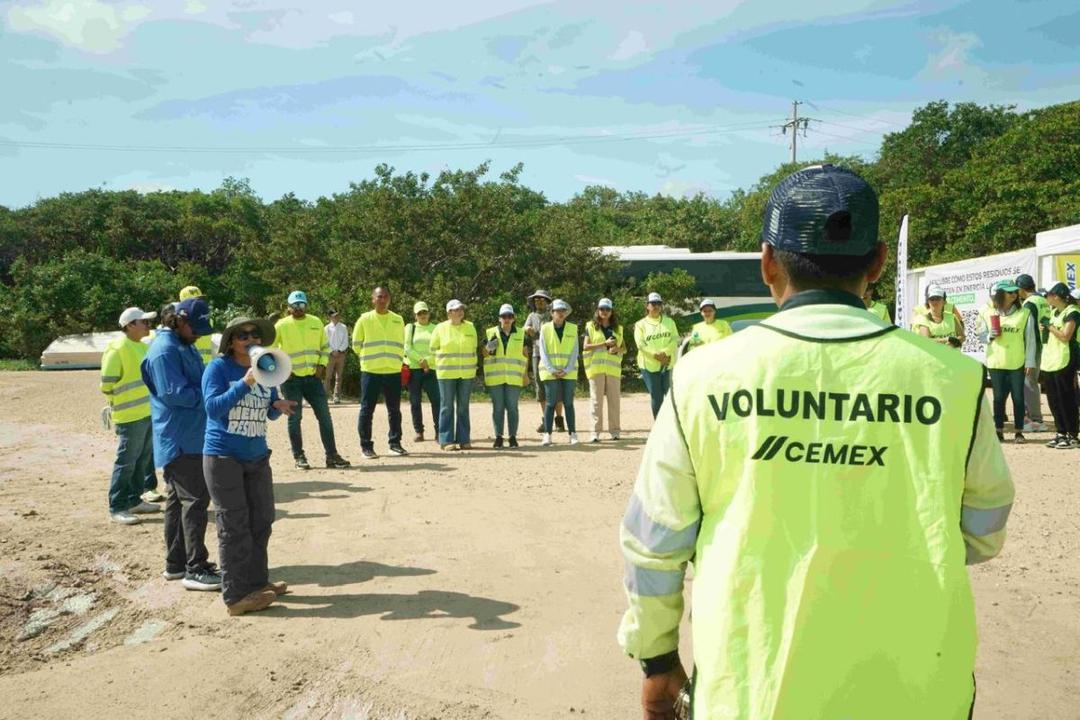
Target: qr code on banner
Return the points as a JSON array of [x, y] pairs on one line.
[[972, 344]]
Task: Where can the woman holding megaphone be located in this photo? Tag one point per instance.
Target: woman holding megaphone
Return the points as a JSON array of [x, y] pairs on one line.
[[236, 463]]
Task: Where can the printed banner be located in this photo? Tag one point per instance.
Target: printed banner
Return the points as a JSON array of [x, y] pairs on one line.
[[902, 310], [967, 285], [1066, 267]]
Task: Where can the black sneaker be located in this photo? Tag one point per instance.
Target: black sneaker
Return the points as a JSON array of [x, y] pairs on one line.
[[1062, 444], [1019, 438], [206, 579], [368, 453], [560, 426], [336, 462], [397, 450], [1057, 441], [1001, 436], [301, 462], [540, 427], [513, 442], [498, 443]]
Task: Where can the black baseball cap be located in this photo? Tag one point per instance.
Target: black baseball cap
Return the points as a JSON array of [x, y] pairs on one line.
[[807, 202], [1025, 282]]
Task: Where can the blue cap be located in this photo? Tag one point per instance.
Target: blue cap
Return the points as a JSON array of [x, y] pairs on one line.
[[807, 202], [197, 313], [297, 296]]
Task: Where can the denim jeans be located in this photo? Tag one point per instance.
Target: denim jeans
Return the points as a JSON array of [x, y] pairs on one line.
[[1005, 383], [504, 405], [309, 388], [423, 382], [559, 391], [134, 461], [657, 383], [372, 385], [454, 411]]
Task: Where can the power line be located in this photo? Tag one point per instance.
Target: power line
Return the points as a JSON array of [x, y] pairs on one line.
[[795, 124], [837, 111]]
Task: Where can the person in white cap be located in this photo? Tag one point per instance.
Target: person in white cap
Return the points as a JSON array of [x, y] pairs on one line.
[[506, 371], [454, 344], [540, 306], [709, 330], [129, 409], [604, 348], [422, 378], [657, 339], [935, 322], [559, 368]]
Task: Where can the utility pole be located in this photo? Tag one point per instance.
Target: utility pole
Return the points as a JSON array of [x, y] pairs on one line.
[[795, 124]]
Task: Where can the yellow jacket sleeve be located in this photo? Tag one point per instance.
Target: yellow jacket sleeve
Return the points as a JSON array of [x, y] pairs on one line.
[[639, 340], [324, 348], [112, 368], [358, 337], [658, 536], [988, 492]]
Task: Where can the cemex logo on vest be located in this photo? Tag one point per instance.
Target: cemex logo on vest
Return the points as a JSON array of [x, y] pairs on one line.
[[820, 453]]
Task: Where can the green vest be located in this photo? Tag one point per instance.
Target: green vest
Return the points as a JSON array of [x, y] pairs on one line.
[[703, 333], [379, 341], [600, 361], [121, 380], [829, 577], [945, 328], [559, 351], [205, 345], [655, 337], [920, 310], [509, 366], [455, 350], [1006, 352], [418, 345], [1056, 354], [305, 342], [879, 309]]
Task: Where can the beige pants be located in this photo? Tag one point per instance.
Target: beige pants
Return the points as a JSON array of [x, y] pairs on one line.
[[335, 368], [601, 388]]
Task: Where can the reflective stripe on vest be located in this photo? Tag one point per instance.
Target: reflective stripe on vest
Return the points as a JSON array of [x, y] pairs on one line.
[[828, 496], [559, 351], [455, 350], [382, 347], [121, 380], [1006, 352], [600, 361], [304, 341], [1055, 355], [507, 366]]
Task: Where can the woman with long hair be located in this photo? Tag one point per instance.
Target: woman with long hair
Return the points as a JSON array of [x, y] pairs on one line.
[[1059, 363], [937, 322], [1008, 330], [604, 348]]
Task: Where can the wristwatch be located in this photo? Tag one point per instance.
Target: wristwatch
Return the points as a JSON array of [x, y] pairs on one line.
[[660, 664]]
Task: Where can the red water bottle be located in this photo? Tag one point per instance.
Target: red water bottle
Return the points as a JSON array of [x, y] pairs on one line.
[[995, 325]]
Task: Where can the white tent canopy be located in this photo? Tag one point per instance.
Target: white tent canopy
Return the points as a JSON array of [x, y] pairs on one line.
[[1050, 243]]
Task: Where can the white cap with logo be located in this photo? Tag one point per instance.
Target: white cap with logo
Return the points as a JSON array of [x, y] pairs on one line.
[[654, 297], [934, 291], [560, 304], [605, 304], [455, 304], [134, 313], [506, 309]]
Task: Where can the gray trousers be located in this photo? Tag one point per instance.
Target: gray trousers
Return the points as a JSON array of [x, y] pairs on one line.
[[243, 494], [1032, 397], [185, 515]]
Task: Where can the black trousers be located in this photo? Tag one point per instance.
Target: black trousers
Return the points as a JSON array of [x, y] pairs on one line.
[[1005, 383], [185, 515], [423, 382], [1061, 393], [373, 385], [243, 494]]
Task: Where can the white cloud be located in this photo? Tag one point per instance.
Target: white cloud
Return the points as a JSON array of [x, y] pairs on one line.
[[345, 17], [592, 180], [683, 188], [90, 25], [195, 7], [950, 59], [632, 45]]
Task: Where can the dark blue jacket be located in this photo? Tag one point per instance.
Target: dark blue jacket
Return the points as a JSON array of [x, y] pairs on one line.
[[173, 373]]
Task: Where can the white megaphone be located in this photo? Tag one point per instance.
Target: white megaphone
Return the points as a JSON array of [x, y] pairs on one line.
[[272, 366]]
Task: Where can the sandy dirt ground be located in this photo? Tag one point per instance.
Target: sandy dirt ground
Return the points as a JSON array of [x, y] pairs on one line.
[[484, 585]]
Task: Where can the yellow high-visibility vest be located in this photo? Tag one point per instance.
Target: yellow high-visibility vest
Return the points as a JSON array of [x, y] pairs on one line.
[[945, 328], [879, 309], [418, 345], [205, 345], [379, 341], [1056, 354], [1007, 351], [654, 337], [507, 366], [559, 351], [454, 347], [121, 380], [305, 342], [600, 361], [704, 333]]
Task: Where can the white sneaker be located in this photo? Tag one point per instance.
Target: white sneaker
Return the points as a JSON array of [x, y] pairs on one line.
[[595, 438], [614, 436], [153, 496], [145, 508], [124, 517], [173, 575], [573, 438], [546, 441], [1039, 427]]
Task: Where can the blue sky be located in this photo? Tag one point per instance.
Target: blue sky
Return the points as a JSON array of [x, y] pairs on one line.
[[675, 97]]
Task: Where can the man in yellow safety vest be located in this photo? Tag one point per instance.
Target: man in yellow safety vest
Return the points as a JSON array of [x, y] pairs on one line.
[[1040, 310], [129, 411], [378, 339], [829, 476]]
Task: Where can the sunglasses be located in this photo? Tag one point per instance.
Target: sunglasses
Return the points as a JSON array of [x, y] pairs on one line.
[[299, 306], [247, 334]]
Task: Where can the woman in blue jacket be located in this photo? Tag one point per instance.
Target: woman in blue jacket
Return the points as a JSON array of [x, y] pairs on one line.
[[236, 463]]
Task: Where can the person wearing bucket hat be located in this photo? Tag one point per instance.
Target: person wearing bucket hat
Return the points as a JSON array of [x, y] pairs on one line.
[[506, 371], [128, 409], [657, 341], [1059, 364], [422, 377], [936, 322], [540, 313], [709, 330], [172, 371], [236, 464], [455, 346], [205, 343], [780, 418], [1037, 305], [603, 349], [1009, 332], [559, 368], [301, 336]]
